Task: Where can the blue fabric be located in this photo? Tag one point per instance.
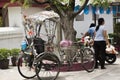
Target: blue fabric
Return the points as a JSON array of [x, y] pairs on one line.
[[93, 9], [76, 8], [23, 45], [108, 11], [91, 31], [86, 10], [101, 10]]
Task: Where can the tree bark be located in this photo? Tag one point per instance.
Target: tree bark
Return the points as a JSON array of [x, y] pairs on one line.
[[68, 28]]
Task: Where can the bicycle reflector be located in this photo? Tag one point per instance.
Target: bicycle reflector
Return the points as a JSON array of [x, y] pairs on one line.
[[30, 32]]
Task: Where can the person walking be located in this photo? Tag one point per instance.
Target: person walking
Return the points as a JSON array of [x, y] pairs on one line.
[[100, 41]]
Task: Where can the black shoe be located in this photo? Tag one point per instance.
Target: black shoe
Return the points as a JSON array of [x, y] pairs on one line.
[[103, 67]]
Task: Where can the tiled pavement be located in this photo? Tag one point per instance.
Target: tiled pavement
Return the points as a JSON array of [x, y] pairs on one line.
[[111, 73]]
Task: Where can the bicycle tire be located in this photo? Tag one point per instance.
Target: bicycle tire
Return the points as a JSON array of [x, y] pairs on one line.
[[110, 58], [88, 59], [25, 67], [49, 63]]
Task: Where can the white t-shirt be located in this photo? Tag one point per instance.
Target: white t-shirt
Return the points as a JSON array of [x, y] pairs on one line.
[[99, 34]]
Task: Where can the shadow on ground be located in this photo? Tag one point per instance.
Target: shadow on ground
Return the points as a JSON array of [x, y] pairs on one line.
[[59, 78]]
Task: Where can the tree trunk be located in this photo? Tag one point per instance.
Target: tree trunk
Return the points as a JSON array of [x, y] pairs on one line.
[[68, 29]]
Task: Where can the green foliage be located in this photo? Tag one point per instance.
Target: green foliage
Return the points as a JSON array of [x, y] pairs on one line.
[[4, 53], [111, 35], [117, 33], [65, 3], [116, 38], [24, 3], [101, 3], [12, 1], [78, 39], [1, 22], [117, 27], [14, 52]]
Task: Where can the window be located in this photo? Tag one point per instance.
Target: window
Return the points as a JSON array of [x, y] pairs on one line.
[[80, 17]]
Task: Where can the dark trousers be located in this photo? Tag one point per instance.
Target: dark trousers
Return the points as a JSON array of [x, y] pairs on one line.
[[99, 47]]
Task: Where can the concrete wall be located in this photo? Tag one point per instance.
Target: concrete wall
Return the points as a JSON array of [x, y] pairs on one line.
[[12, 36], [14, 16]]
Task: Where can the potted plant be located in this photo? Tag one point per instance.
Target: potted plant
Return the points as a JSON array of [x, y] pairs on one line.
[[4, 61], [14, 54]]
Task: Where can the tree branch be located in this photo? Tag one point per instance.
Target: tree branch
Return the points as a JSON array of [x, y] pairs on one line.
[[82, 7], [72, 4], [57, 7]]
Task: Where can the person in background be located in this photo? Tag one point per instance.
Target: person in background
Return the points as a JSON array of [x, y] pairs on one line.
[[90, 31], [88, 36], [100, 41]]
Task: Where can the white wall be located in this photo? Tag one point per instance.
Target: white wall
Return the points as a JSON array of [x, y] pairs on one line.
[[82, 26], [14, 16], [11, 37]]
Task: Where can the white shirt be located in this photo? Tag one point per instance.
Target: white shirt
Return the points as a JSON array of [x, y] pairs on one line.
[[99, 34]]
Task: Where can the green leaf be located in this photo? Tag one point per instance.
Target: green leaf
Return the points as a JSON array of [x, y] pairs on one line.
[[14, 51], [4, 53], [12, 1]]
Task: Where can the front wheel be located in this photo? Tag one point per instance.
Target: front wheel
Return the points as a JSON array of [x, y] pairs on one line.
[[50, 66], [26, 67], [87, 59], [110, 58]]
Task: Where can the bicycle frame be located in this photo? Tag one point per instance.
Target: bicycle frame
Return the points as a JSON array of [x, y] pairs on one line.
[[72, 49], [81, 56]]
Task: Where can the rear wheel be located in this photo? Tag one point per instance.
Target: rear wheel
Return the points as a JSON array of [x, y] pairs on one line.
[[87, 59], [50, 67]]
